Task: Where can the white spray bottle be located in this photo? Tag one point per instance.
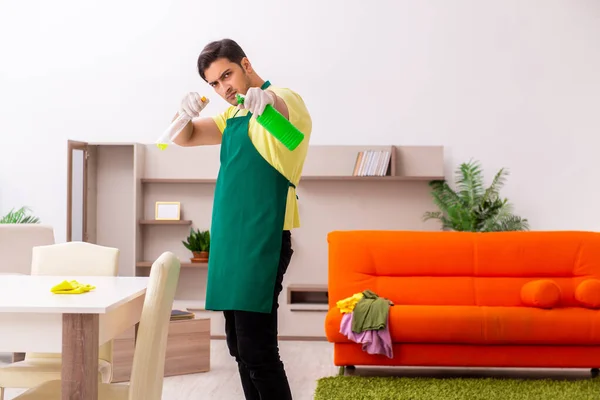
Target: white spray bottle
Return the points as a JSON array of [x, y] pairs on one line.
[[176, 127]]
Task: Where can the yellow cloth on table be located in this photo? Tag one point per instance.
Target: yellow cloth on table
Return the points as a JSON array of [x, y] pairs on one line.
[[347, 305], [71, 287]]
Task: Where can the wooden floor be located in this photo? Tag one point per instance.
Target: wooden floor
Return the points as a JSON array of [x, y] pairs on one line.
[[311, 361]]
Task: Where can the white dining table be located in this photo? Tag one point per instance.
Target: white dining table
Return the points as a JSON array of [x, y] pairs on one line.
[[33, 319]]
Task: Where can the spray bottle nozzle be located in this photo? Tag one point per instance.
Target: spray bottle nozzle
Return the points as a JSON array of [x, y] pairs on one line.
[[176, 127]]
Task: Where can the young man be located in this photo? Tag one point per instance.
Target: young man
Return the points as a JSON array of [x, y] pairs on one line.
[[255, 207]]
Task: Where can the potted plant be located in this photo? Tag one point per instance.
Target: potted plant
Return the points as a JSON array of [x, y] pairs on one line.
[[19, 217], [198, 242], [471, 207]]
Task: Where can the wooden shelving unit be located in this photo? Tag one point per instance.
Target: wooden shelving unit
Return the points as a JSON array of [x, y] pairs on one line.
[[125, 180]]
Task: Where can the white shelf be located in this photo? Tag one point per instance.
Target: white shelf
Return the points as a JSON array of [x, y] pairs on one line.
[[176, 180], [387, 178], [164, 222]]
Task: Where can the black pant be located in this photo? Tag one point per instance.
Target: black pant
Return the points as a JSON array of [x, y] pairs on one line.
[[252, 341]]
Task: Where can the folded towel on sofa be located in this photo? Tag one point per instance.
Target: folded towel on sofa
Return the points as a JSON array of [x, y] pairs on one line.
[[370, 313]]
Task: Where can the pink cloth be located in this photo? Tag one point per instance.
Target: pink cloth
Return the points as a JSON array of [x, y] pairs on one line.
[[373, 341]]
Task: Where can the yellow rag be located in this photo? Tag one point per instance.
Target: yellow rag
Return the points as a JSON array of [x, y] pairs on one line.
[[71, 287], [347, 305]]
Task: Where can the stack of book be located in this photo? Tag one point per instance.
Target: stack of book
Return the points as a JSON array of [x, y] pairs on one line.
[[177, 315], [372, 163]]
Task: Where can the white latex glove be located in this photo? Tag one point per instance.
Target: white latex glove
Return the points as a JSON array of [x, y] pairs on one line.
[[192, 104], [256, 100]]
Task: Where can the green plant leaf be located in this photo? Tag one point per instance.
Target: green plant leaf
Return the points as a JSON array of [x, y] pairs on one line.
[[197, 240], [469, 183], [19, 216], [471, 207], [493, 192]]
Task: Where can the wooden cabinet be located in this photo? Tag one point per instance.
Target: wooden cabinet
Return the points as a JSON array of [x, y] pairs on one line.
[[188, 350]]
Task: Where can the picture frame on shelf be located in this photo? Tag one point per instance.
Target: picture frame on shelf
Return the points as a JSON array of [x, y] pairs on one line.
[[167, 211]]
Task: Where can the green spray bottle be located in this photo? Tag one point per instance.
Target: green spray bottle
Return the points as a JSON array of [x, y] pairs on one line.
[[278, 125]]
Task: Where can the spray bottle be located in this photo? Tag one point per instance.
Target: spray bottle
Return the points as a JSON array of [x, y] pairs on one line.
[[176, 127], [278, 125]]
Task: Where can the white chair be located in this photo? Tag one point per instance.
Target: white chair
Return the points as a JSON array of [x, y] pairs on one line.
[[16, 244], [69, 259], [150, 347]]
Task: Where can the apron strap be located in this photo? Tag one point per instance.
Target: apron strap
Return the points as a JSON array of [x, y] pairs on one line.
[[263, 87], [290, 184]]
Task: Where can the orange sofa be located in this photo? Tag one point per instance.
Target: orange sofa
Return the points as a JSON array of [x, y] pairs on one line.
[[502, 299]]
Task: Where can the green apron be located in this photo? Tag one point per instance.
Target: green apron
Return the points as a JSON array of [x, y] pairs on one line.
[[247, 225]]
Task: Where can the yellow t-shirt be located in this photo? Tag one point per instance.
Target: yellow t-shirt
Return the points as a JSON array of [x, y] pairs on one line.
[[288, 163]]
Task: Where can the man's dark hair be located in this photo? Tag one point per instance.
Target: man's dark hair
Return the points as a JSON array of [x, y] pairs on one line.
[[225, 48]]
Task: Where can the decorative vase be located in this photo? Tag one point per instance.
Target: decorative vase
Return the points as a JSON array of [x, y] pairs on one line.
[[200, 256]]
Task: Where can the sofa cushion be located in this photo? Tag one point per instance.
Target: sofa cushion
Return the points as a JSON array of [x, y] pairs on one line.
[[455, 290], [543, 293], [588, 293], [484, 325], [459, 268]]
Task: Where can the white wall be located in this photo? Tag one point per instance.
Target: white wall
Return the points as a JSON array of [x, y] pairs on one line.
[[513, 83]]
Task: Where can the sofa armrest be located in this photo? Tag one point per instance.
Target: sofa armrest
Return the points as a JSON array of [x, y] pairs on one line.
[[333, 319]]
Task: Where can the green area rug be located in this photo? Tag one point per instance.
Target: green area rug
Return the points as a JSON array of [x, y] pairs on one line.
[[400, 388]]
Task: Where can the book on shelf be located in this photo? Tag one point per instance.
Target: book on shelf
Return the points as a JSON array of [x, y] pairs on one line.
[[372, 163]]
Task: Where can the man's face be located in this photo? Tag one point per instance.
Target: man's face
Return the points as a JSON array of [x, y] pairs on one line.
[[228, 78]]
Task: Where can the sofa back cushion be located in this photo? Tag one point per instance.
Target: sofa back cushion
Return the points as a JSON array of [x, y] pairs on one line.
[[459, 268]]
